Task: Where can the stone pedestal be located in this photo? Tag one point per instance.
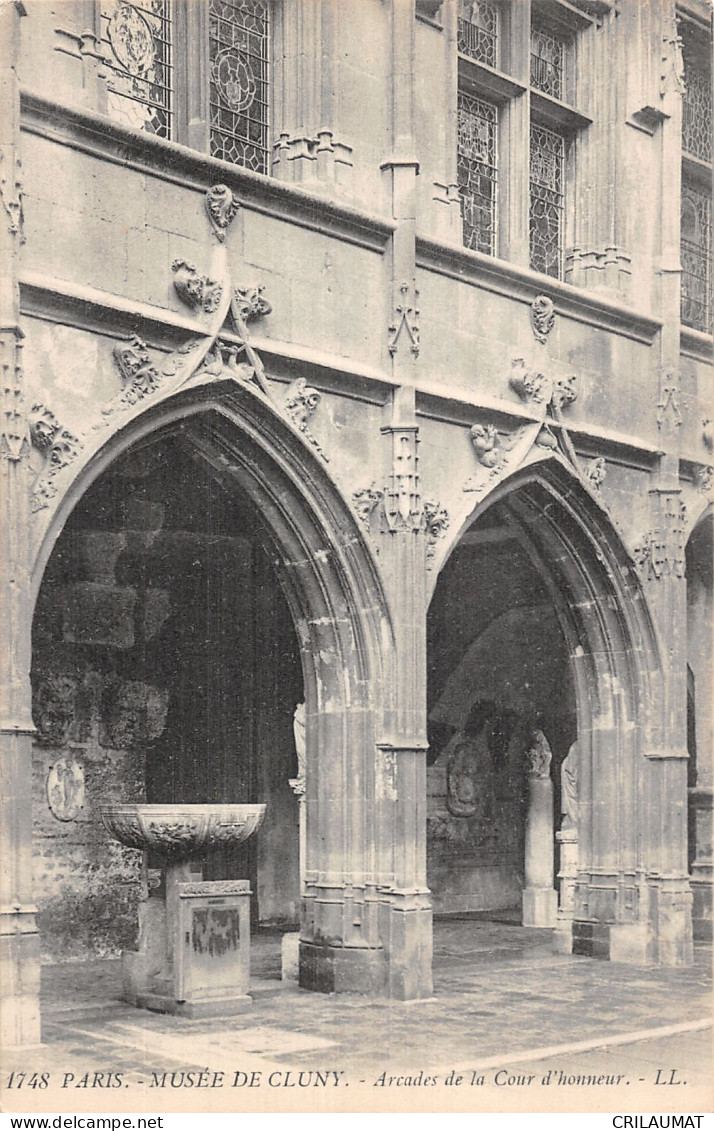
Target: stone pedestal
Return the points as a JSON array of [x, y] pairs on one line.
[[194, 947], [290, 956], [567, 838], [540, 901]]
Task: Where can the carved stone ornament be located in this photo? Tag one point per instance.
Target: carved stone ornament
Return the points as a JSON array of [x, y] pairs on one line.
[[538, 756], [436, 519], [669, 403], [11, 192], [529, 386], [53, 709], [464, 777], [703, 479], [298, 784], [565, 392], [707, 434], [365, 501], [59, 447], [406, 318], [402, 499], [542, 318], [661, 551], [487, 444], [214, 887], [197, 291], [14, 438], [65, 789], [672, 69], [596, 473], [301, 401], [221, 206], [250, 303]]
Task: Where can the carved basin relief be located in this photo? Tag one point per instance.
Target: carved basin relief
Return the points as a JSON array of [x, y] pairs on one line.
[[178, 832]]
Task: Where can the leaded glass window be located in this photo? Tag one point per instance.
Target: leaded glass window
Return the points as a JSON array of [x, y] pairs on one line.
[[547, 192], [477, 128], [547, 62], [136, 42], [697, 107], [238, 43], [478, 31], [696, 255]]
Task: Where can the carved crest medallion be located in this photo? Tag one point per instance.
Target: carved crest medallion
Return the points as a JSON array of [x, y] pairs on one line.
[[65, 789]]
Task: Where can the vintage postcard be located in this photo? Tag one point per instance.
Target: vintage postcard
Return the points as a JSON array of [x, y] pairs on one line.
[[356, 556]]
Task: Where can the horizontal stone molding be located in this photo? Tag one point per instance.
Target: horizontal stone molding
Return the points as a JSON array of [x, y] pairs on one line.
[[522, 284], [100, 137], [695, 344]]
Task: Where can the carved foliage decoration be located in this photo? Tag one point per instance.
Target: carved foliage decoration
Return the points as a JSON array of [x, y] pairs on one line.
[[301, 402], [249, 303], [596, 472], [436, 523], [365, 502], [11, 192], [660, 553], [529, 385], [405, 319], [542, 317], [221, 206], [53, 709], [703, 479], [197, 291], [58, 445]]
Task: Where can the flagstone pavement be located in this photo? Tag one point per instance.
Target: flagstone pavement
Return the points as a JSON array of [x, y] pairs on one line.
[[501, 997]]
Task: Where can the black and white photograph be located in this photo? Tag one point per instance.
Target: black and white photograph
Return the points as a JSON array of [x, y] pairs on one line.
[[356, 481]]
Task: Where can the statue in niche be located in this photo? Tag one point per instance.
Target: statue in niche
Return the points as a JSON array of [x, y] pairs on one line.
[[569, 786], [539, 755], [470, 765]]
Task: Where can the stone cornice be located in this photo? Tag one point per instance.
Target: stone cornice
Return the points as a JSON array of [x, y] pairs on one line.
[[695, 344], [522, 284], [100, 137]]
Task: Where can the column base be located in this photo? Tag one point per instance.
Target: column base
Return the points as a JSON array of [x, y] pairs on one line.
[[343, 970], [290, 957], [20, 991], [540, 907], [195, 1009]]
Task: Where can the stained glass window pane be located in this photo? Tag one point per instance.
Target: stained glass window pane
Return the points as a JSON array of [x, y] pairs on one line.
[[478, 31], [697, 107], [238, 43], [547, 62], [547, 189], [477, 129], [136, 43], [696, 255]]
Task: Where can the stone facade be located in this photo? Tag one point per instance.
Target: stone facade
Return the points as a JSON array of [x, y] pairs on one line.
[[431, 425]]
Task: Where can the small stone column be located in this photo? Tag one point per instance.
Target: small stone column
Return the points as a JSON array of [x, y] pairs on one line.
[[291, 940], [540, 900], [567, 837]]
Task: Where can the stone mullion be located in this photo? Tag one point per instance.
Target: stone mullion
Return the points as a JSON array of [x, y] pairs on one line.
[[192, 79], [446, 194], [514, 140], [297, 74], [19, 983]]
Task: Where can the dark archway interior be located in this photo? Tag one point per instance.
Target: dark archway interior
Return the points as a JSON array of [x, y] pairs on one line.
[[165, 664], [498, 666], [699, 569]]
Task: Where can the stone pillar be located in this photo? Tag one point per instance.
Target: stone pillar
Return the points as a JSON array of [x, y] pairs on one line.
[[567, 838], [539, 895], [290, 947], [19, 941]]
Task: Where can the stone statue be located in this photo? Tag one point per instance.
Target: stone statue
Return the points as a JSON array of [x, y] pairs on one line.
[[538, 756], [569, 773], [298, 784]]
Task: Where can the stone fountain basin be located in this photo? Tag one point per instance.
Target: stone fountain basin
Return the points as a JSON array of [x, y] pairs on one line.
[[176, 831]]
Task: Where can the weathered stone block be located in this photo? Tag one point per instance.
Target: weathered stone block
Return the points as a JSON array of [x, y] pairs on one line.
[[99, 614]]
